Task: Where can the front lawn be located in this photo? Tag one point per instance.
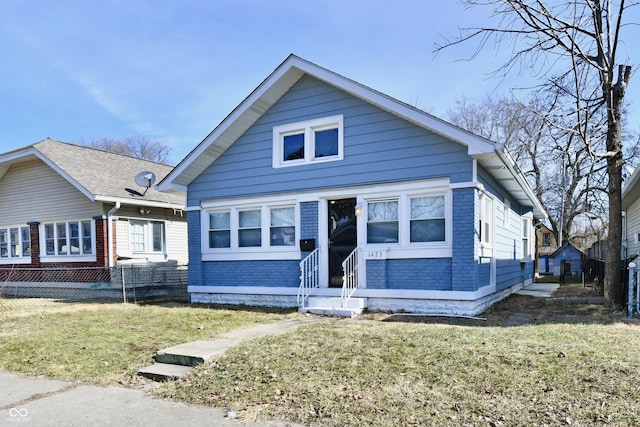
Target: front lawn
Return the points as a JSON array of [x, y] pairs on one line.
[[108, 343], [578, 369], [372, 373]]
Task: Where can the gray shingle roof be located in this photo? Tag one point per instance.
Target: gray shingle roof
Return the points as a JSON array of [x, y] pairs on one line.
[[104, 174]]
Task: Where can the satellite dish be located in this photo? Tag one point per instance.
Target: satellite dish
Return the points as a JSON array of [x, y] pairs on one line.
[[144, 179]]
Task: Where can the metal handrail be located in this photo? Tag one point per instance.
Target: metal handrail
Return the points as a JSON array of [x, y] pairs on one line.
[[309, 279], [350, 278]]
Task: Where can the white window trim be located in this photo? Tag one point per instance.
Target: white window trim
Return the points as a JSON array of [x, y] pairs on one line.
[[486, 247], [44, 258], [404, 247], [20, 259], [526, 221], [148, 236], [263, 252], [307, 128]]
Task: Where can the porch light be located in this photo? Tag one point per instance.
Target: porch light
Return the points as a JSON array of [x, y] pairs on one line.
[[358, 209]]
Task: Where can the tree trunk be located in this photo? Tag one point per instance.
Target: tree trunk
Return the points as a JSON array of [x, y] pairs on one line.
[[613, 288], [613, 277]]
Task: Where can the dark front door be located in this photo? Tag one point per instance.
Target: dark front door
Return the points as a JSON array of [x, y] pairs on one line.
[[342, 237]]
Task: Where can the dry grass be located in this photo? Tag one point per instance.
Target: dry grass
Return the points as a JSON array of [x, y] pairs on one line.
[[527, 364], [371, 373], [108, 343]]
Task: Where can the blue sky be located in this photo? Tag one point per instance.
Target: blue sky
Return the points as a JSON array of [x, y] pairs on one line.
[[77, 71]]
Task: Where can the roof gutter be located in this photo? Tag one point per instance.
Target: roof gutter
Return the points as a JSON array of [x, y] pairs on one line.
[[110, 233], [140, 202], [511, 164]]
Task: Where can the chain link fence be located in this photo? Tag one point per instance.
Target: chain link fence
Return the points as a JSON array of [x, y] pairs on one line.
[[33, 287]]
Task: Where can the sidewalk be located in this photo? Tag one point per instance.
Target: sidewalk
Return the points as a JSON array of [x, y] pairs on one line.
[[539, 290], [42, 402]]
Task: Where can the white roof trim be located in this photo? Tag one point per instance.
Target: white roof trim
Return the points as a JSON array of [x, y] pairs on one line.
[[273, 87], [289, 72]]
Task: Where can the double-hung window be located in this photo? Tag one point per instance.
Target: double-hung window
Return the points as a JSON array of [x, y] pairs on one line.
[[427, 219], [382, 221], [258, 227], [311, 141], [73, 238], [283, 226], [146, 236], [249, 228], [408, 220], [220, 229], [486, 221], [526, 241], [15, 242]]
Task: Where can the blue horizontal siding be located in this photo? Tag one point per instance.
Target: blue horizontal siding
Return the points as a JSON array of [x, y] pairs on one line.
[[511, 272], [379, 148]]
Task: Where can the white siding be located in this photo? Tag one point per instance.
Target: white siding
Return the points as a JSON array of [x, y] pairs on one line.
[[633, 228], [32, 191], [175, 229]]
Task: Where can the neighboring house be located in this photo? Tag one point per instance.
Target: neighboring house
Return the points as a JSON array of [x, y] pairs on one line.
[[631, 216], [566, 261], [65, 205], [314, 174], [546, 244]]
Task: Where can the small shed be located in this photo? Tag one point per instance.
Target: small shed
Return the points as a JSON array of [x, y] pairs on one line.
[[566, 261]]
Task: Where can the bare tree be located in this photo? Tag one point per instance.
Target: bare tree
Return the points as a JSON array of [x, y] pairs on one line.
[[134, 146], [567, 181], [581, 39]]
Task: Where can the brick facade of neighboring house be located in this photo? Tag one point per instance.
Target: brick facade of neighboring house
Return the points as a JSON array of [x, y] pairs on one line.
[[68, 206]]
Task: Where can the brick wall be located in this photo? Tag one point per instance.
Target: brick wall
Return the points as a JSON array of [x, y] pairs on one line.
[[420, 274], [195, 245], [309, 221], [464, 268], [251, 273]]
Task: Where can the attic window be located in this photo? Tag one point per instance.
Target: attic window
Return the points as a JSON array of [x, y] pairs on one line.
[[312, 141]]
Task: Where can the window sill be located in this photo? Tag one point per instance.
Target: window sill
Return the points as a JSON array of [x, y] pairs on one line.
[[17, 260], [252, 254], [67, 258], [380, 252]]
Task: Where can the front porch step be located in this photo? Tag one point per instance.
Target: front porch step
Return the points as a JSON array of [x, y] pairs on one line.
[[332, 306]]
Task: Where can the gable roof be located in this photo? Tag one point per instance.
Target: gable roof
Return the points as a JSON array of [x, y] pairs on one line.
[[631, 189], [99, 175], [564, 248], [491, 155]]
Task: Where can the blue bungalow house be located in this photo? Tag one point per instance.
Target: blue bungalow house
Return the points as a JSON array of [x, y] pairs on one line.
[[322, 193]]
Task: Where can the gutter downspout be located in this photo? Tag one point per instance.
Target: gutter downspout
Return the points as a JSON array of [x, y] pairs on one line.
[[110, 233]]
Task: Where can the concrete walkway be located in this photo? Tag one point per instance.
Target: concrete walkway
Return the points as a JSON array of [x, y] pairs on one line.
[[175, 362], [43, 402], [540, 290]]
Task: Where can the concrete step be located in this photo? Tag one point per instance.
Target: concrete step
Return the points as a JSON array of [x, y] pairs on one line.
[[176, 361], [337, 302], [194, 353], [333, 311], [164, 372], [332, 306]]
